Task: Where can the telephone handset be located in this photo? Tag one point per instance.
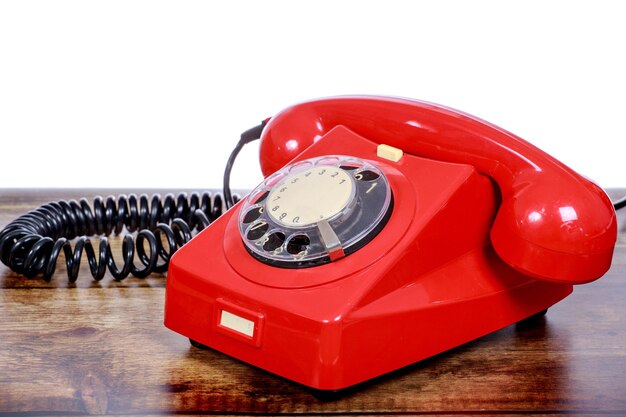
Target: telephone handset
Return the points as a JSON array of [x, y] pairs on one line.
[[552, 223], [385, 231]]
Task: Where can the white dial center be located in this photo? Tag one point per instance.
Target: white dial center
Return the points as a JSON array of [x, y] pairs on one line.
[[309, 196]]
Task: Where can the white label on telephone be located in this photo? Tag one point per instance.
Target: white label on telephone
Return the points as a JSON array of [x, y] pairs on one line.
[[237, 323]]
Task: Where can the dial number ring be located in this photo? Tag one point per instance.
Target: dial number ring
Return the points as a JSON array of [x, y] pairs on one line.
[[309, 196]]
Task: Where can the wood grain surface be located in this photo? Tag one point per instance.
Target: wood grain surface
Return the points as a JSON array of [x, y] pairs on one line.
[[101, 348]]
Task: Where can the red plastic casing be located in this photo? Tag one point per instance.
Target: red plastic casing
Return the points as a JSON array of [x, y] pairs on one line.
[[429, 281]]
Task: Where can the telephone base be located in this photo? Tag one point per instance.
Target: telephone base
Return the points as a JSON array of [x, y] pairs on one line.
[[428, 282]]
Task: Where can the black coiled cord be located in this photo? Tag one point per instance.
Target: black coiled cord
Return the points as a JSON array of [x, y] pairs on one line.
[[31, 244]]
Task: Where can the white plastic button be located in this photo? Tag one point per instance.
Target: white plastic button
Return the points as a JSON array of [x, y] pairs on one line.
[[389, 152]]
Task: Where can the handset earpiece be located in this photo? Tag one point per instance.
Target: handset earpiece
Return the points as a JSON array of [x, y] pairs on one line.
[[553, 224]]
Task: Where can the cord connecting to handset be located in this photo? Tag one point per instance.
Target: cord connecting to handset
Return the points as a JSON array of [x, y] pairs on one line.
[[248, 136]]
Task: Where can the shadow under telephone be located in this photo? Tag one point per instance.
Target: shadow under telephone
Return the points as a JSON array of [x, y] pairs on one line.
[[385, 231]]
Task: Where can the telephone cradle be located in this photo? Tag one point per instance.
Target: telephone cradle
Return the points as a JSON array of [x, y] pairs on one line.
[[386, 231]]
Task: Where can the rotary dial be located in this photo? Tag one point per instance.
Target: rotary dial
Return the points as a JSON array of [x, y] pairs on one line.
[[315, 211]]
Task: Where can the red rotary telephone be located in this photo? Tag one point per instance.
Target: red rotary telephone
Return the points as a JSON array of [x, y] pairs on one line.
[[386, 231]]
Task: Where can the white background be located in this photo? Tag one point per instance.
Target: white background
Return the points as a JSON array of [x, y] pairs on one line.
[[155, 94]]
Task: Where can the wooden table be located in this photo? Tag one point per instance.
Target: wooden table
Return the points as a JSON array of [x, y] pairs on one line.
[[101, 348]]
